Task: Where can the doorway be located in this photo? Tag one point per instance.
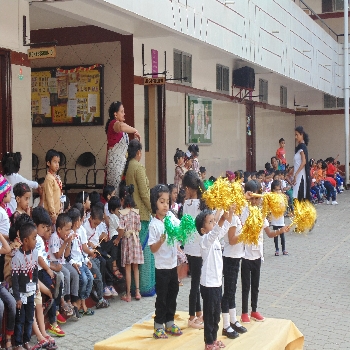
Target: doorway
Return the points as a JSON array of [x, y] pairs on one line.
[[5, 104], [250, 136]]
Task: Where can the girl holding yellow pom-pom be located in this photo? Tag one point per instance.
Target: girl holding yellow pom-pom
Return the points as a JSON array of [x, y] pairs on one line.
[[253, 255]]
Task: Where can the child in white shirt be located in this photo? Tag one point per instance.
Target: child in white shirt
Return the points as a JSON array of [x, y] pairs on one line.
[[251, 262], [165, 256], [211, 277]]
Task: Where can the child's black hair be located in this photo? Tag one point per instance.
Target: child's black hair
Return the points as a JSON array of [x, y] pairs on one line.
[[20, 189], [11, 162], [74, 214], [79, 198], [41, 180], [178, 154], [26, 230], [129, 201], [62, 220], [66, 204], [202, 169], [251, 186], [246, 174], [50, 154], [194, 149], [171, 188], [107, 191], [114, 203], [239, 175], [80, 207], [275, 183], [156, 192], [94, 198], [324, 165], [180, 199], [41, 216], [267, 166], [97, 212], [20, 221], [124, 190], [200, 220], [281, 139], [192, 180]]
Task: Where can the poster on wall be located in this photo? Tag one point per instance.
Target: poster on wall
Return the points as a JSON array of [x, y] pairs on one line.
[[67, 96], [199, 112]]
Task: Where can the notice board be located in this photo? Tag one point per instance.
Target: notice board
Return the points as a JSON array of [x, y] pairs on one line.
[[67, 96]]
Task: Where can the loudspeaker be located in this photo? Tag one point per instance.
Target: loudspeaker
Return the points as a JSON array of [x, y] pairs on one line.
[[244, 77]]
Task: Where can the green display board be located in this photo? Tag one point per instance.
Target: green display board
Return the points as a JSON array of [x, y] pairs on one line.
[[199, 120]]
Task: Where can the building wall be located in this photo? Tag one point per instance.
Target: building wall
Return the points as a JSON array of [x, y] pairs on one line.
[[227, 151], [327, 139], [270, 127], [74, 140], [11, 38]]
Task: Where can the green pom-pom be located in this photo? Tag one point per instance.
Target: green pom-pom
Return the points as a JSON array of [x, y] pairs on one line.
[[208, 183], [181, 233], [171, 230]]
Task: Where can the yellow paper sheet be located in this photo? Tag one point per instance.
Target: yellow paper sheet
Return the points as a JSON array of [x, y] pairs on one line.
[[272, 334]]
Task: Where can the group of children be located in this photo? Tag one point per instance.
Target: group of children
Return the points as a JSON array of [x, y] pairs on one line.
[[213, 252], [54, 256]]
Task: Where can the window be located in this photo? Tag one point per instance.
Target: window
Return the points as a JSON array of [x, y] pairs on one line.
[[263, 90], [222, 78], [283, 96], [330, 101], [332, 5], [182, 67]]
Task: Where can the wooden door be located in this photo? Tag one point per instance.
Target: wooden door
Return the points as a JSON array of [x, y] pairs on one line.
[[250, 136]]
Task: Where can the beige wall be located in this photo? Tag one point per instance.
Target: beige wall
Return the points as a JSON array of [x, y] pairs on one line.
[[270, 127], [327, 136], [74, 140], [227, 151]]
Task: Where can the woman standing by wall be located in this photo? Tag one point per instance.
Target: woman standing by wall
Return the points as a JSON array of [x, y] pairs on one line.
[[135, 174], [117, 143], [301, 180]]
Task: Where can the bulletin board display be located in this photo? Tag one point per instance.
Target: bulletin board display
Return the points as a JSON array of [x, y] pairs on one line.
[[67, 96]]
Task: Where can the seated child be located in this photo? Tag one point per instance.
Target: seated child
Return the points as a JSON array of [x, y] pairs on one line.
[[165, 256], [211, 277], [95, 269], [25, 284], [59, 247], [108, 193], [82, 264], [22, 195], [5, 212], [251, 262], [46, 275], [83, 198]]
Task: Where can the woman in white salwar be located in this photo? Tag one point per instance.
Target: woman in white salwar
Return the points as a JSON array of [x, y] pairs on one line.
[[117, 143]]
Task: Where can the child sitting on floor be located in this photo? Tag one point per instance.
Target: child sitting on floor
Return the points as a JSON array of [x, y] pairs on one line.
[[108, 193], [165, 256]]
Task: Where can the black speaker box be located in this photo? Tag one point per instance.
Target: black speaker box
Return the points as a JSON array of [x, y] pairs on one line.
[[244, 77]]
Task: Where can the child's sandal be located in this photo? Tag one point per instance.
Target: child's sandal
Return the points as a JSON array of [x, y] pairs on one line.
[[277, 253], [160, 334], [173, 330], [285, 252], [137, 294], [219, 344], [117, 273]]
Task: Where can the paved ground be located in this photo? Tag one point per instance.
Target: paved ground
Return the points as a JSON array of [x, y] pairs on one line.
[[310, 287]]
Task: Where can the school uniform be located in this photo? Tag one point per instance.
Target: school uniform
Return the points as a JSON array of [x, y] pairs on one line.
[[250, 267], [211, 280], [278, 223], [167, 285]]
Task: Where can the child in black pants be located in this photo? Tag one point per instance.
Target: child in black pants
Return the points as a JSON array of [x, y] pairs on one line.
[[251, 262], [211, 276], [165, 256]]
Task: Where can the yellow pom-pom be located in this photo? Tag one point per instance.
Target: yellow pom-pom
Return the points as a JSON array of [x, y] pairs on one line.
[[304, 216], [238, 198], [218, 196], [274, 203], [252, 227]]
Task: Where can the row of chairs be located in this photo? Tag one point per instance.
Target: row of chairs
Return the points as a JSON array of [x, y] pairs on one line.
[[84, 165]]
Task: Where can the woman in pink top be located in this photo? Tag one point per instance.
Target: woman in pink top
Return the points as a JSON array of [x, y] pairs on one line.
[[117, 143]]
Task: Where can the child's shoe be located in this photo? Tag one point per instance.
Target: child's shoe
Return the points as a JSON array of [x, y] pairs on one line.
[[256, 316], [245, 318], [137, 294], [219, 344], [230, 333], [126, 298], [107, 292], [56, 330], [160, 334], [195, 323], [173, 330], [211, 347], [238, 327], [334, 202], [114, 293], [60, 318], [328, 202]]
